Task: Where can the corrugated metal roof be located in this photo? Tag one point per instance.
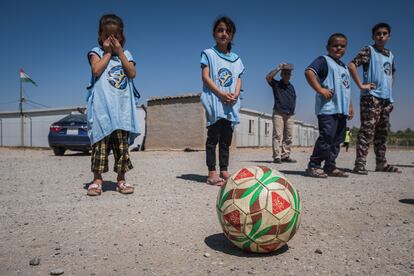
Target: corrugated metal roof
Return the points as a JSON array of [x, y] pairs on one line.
[[41, 111], [246, 110]]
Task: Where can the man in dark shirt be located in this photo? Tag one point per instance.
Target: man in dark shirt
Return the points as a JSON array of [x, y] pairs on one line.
[[283, 111]]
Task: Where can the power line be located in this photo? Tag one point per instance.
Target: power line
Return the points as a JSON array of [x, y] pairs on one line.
[[33, 102], [9, 102]]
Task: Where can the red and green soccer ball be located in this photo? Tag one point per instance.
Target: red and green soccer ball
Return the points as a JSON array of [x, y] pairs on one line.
[[259, 209]]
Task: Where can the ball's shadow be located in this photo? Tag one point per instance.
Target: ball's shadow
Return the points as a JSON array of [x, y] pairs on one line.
[[219, 242], [407, 201]]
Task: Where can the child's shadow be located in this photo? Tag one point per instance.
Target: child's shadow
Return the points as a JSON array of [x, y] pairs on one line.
[[194, 177], [106, 186]]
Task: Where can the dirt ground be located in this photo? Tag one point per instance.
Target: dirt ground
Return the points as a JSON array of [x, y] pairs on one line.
[[354, 226]]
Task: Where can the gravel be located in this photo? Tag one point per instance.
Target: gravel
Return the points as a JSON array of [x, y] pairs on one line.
[[362, 224]]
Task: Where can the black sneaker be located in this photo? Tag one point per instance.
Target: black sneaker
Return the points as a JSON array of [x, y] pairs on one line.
[[277, 161], [288, 160]]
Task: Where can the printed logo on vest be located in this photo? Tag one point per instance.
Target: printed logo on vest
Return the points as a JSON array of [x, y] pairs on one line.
[[387, 68], [225, 77], [345, 80], [117, 77]]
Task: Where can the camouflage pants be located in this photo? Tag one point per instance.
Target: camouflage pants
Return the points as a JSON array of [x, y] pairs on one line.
[[375, 118]]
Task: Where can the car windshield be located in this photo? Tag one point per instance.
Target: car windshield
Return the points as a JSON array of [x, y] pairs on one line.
[[74, 118]]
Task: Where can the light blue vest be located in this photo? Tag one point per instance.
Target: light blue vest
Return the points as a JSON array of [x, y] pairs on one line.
[[380, 73], [111, 101], [338, 81], [224, 72]]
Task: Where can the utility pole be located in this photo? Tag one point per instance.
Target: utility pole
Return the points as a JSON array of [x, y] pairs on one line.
[[21, 114]]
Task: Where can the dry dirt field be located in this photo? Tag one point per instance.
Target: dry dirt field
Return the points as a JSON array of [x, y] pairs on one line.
[[355, 226]]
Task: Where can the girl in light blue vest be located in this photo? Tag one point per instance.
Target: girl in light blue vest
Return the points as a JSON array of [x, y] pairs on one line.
[[221, 72], [111, 108], [330, 79]]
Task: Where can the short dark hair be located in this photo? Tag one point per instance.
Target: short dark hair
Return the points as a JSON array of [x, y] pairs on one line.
[[108, 19], [230, 26], [379, 26], [334, 36]]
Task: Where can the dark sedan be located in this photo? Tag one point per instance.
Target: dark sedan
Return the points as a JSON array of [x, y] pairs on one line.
[[69, 133]]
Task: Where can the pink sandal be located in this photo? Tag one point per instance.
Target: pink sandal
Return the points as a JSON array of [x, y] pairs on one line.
[[125, 188], [94, 189]]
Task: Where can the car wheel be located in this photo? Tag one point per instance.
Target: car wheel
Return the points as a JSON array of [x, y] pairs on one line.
[[59, 151]]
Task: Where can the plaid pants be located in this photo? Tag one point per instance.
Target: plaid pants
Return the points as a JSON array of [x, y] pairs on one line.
[[375, 118], [117, 141]]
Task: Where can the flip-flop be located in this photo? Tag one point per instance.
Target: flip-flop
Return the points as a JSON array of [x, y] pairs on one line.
[[337, 173], [215, 181], [388, 168], [125, 188], [94, 189]]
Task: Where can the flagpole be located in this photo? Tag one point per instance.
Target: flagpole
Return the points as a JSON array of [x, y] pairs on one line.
[[21, 113]]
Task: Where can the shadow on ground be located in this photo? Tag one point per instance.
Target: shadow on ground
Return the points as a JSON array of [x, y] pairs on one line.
[[260, 161], [404, 166], [219, 242], [73, 154], [106, 186], [407, 200], [194, 177], [289, 172]]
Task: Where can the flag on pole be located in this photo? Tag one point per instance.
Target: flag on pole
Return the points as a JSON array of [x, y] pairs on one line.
[[25, 78]]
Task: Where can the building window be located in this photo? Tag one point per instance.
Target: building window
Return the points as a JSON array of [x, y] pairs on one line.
[[267, 129], [251, 127]]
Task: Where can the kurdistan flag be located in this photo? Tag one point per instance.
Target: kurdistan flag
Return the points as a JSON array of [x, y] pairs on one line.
[[25, 78]]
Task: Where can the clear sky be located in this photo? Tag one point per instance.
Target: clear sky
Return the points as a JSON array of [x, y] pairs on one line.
[[50, 40]]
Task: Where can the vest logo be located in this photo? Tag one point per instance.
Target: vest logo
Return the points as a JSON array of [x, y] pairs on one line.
[[387, 68], [117, 77], [225, 77], [345, 80]]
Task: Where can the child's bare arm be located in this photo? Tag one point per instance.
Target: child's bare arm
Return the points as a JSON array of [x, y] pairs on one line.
[[205, 76], [119, 51], [353, 70], [128, 66], [351, 111], [98, 64], [238, 88], [314, 83]]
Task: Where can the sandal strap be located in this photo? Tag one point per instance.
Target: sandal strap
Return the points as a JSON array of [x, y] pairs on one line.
[[124, 185], [390, 168], [94, 186]]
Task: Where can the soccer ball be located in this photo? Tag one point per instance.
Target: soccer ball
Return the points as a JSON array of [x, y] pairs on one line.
[[258, 209]]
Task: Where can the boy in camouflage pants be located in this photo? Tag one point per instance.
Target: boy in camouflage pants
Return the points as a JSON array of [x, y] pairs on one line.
[[376, 98]]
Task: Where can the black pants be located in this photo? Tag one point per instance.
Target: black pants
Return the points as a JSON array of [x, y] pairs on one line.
[[346, 145], [220, 132], [331, 135]]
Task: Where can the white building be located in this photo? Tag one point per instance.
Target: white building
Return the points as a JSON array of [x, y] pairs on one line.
[[36, 125]]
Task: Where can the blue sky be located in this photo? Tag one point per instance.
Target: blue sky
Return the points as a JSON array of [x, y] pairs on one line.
[[50, 40]]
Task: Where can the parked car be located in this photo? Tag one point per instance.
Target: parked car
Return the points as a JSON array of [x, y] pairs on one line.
[[69, 133]]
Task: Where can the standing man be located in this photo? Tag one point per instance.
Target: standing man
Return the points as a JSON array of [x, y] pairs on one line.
[[283, 111]]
